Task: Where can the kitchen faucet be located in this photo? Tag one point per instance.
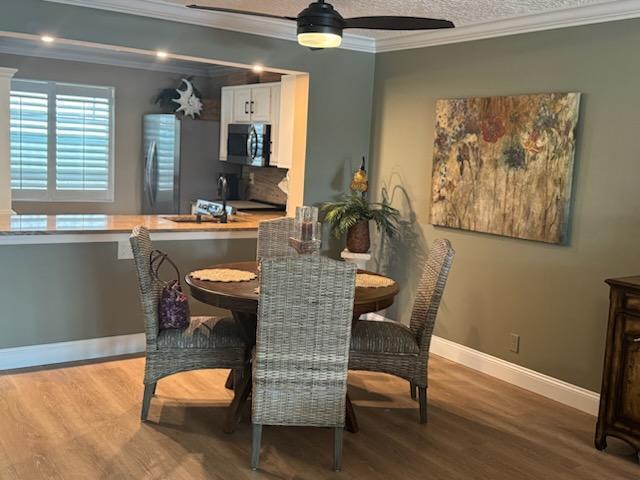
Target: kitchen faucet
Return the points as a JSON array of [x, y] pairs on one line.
[[223, 189], [217, 211]]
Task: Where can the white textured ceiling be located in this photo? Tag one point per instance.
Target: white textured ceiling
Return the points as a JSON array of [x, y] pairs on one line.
[[461, 12]]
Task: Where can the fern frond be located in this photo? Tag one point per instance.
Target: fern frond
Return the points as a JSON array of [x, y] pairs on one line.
[[351, 209]]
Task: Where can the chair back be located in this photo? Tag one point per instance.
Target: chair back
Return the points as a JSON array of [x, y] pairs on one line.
[[149, 288], [430, 290], [302, 343], [273, 238]]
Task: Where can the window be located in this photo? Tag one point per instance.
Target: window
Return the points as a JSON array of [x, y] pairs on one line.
[[61, 142]]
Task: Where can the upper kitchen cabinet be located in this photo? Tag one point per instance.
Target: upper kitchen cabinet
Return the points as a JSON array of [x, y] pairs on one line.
[[252, 103], [272, 103], [226, 117], [240, 111], [260, 106]]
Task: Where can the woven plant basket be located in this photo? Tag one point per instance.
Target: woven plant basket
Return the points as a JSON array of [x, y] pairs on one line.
[[358, 239]]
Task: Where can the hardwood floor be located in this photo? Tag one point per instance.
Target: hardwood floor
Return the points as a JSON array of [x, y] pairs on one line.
[[82, 421]]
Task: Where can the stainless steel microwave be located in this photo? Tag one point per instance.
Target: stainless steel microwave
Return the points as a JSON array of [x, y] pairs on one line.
[[249, 144]]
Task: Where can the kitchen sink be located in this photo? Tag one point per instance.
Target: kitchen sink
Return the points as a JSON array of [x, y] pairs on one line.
[[193, 219]]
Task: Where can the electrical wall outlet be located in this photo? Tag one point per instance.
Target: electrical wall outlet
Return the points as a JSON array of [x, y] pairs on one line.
[[514, 344], [252, 178]]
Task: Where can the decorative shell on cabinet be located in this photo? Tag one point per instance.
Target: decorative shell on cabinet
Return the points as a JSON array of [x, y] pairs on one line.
[[189, 103]]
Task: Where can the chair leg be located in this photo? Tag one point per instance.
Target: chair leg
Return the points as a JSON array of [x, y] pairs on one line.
[[237, 378], [255, 445], [412, 389], [350, 419], [229, 383], [422, 391], [337, 448], [153, 390], [146, 400], [241, 394]]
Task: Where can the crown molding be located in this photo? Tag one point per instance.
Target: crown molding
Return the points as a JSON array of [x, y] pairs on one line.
[[7, 72], [268, 27], [115, 59], [585, 15], [570, 17]]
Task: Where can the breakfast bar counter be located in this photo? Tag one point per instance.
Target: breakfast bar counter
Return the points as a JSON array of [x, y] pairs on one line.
[[65, 224], [80, 269], [43, 229]]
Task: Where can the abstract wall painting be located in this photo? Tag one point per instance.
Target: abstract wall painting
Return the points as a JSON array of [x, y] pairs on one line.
[[504, 165]]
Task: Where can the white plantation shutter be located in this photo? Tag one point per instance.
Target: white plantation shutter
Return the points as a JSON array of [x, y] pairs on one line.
[[80, 144], [83, 132], [29, 119]]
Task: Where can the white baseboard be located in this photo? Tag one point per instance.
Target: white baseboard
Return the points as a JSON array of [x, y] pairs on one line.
[[50, 353], [558, 390]]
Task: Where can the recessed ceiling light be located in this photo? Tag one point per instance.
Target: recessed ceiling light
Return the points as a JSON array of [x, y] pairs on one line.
[[47, 39], [162, 54], [257, 68]]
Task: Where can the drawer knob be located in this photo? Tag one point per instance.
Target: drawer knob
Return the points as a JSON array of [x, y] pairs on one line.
[[636, 340]]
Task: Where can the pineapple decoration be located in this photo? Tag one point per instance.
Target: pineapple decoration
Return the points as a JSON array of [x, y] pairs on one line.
[[360, 183]]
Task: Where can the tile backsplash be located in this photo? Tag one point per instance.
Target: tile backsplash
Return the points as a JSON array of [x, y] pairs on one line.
[[264, 186]]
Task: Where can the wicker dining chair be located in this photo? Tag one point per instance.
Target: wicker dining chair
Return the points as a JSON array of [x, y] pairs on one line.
[[302, 346], [208, 342], [273, 238], [390, 347]]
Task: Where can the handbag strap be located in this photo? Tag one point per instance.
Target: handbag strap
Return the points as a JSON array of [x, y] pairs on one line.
[[156, 259]]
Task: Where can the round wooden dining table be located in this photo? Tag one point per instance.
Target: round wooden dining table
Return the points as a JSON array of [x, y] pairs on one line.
[[241, 298]]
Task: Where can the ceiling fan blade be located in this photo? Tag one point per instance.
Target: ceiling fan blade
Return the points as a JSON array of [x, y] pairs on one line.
[[397, 23], [239, 12]]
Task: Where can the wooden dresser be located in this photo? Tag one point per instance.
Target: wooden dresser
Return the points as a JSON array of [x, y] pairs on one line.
[[619, 414]]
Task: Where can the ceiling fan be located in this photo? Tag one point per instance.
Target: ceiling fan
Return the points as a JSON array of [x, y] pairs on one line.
[[321, 26]]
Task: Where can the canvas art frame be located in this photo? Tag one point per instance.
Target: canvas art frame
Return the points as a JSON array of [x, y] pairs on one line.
[[504, 165]]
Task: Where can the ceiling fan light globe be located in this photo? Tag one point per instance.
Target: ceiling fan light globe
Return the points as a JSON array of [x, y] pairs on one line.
[[319, 40]]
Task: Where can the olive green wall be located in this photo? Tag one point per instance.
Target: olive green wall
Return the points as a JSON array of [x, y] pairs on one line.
[[64, 292], [553, 296], [341, 81]]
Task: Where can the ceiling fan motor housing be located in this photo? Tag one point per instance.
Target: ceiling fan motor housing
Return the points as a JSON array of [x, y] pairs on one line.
[[320, 17]]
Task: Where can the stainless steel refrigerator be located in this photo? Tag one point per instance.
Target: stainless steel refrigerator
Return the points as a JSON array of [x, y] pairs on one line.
[[181, 163]]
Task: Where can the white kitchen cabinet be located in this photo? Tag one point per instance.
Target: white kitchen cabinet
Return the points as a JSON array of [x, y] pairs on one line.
[[242, 104], [274, 160], [284, 136], [252, 103], [260, 105], [226, 117]]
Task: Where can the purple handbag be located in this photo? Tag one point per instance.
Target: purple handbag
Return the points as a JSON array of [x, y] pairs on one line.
[[173, 308]]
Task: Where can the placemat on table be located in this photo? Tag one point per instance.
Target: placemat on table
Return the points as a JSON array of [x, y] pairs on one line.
[[366, 280], [223, 275]]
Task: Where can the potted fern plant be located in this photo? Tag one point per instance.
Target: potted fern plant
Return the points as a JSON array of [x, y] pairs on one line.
[[352, 215]]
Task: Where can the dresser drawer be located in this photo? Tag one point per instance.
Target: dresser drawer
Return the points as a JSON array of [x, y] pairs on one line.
[[628, 405], [631, 302], [630, 326]]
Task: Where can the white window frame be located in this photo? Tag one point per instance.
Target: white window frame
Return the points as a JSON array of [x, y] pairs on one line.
[[51, 194]]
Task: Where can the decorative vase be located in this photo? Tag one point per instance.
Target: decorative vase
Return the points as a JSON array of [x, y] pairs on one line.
[[358, 240]]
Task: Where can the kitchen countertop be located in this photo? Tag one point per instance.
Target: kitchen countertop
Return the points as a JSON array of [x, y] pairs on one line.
[[24, 225]]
